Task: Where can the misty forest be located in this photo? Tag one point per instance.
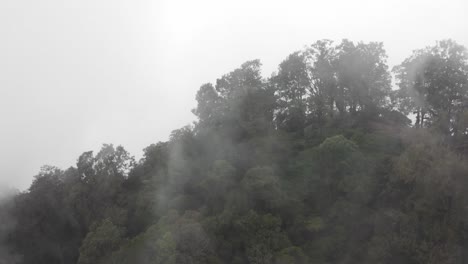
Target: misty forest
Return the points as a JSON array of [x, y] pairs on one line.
[[335, 158]]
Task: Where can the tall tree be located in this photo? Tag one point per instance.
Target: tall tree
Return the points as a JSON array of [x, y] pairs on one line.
[[363, 77], [246, 103], [291, 85], [209, 107], [323, 91], [433, 85]]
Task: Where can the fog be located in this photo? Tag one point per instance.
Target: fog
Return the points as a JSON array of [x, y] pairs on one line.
[[76, 74]]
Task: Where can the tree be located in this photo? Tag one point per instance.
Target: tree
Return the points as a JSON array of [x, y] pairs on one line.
[[262, 237], [428, 186], [7, 254], [219, 181], [45, 230], [263, 187], [248, 103], [99, 242], [209, 106], [363, 77], [433, 85], [291, 85], [324, 97]]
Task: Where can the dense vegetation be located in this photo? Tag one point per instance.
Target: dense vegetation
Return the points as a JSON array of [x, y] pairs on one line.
[[320, 163]]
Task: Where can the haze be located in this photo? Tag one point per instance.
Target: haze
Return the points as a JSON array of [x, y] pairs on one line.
[[77, 74]]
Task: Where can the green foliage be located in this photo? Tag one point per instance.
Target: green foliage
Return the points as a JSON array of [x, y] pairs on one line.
[[291, 255], [101, 240], [335, 150], [262, 236], [315, 224], [434, 85], [313, 165]]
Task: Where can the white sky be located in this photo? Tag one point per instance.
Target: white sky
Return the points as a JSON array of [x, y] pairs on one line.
[[76, 74]]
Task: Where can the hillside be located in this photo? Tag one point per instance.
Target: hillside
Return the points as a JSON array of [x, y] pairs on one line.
[[323, 162]]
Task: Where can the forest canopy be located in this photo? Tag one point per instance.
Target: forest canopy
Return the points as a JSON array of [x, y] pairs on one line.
[[323, 162]]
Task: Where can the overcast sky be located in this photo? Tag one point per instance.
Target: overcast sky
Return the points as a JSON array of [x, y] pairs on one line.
[[76, 74]]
